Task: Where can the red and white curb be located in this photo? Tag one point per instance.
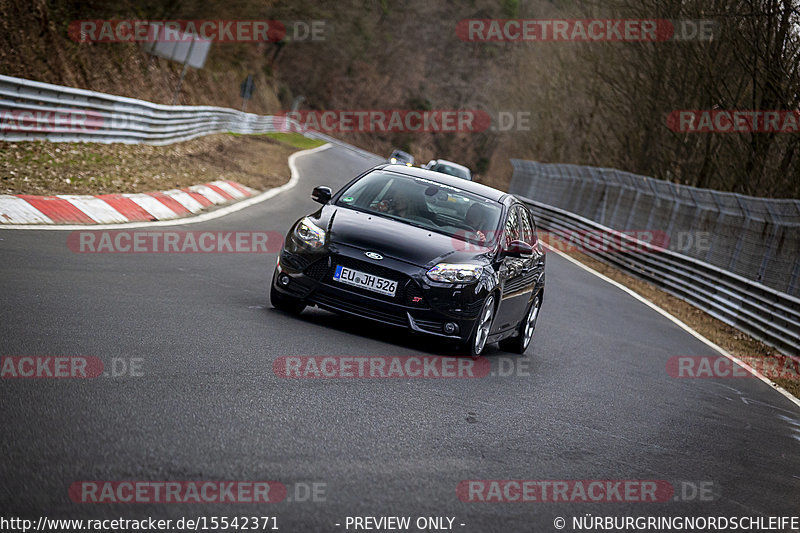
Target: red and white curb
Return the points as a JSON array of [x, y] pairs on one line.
[[222, 211], [119, 208]]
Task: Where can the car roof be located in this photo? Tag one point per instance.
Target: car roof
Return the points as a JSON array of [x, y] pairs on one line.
[[447, 179]]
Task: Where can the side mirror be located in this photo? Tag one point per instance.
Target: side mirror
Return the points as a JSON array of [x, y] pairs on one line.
[[518, 249], [322, 194]]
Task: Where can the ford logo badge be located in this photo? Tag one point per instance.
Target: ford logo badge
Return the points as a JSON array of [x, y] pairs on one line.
[[374, 255]]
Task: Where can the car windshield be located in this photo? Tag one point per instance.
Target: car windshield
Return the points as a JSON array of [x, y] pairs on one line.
[[427, 204], [447, 169]]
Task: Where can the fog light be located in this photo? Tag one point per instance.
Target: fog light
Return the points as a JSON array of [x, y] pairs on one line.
[[450, 328], [284, 280]]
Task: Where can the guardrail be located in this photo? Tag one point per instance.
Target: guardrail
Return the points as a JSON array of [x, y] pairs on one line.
[[760, 311], [32, 110]]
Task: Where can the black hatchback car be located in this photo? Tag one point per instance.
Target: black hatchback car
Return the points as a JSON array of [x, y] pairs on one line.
[[422, 250]]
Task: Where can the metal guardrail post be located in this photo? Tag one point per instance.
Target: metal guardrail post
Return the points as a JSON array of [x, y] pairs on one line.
[[762, 269], [748, 220], [794, 277]]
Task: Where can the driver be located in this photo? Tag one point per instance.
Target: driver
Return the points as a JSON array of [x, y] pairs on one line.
[[400, 204], [476, 219]]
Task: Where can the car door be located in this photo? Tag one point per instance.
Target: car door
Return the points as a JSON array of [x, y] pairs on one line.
[[533, 266], [511, 272]]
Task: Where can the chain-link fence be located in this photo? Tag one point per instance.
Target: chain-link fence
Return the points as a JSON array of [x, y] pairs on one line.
[[756, 238]]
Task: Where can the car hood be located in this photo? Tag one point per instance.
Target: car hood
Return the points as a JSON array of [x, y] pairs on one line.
[[400, 241]]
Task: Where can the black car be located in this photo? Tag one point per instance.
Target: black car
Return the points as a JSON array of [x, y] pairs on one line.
[[422, 250]]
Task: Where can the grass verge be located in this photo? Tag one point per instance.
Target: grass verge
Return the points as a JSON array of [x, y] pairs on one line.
[[42, 167], [296, 140]]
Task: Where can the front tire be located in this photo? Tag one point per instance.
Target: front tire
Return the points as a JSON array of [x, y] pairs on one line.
[[285, 303], [520, 342], [477, 341]]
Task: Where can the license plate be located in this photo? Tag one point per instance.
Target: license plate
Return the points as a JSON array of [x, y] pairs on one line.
[[365, 281]]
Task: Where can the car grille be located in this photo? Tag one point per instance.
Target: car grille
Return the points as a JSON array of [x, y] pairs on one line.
[[318, 269], [359, 308]]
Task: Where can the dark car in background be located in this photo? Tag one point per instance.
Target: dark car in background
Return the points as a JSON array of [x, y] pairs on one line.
[[401, 158], [421, 250], [448, 167]]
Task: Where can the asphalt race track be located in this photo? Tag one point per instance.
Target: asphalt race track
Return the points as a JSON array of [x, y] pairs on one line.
[[590, 400]]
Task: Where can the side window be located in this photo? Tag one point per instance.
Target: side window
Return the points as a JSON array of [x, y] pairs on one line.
[[512, 226], [365, 192], [528, 228]]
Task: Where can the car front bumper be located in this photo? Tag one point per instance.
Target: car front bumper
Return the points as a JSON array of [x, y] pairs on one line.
[[418, 305]]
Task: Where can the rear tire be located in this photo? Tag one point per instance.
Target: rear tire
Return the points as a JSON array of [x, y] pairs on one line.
[[520, 342], [285, 303], [477, 341]]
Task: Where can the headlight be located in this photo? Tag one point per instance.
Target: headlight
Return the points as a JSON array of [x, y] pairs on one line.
[[309, 233], [454, 273], [393, 160]]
